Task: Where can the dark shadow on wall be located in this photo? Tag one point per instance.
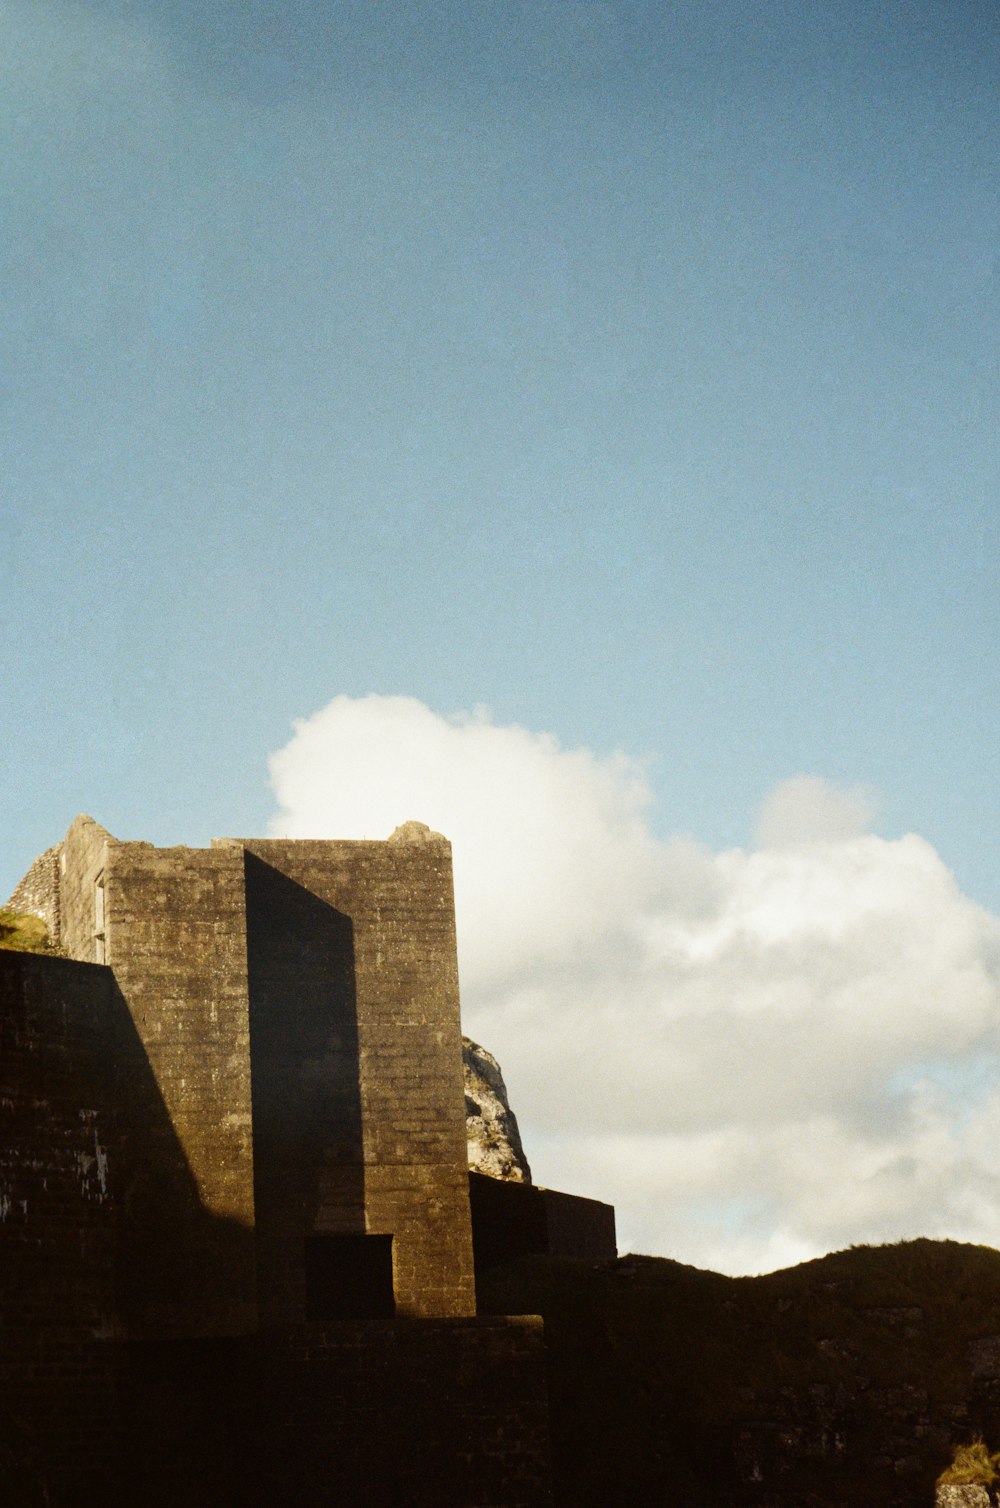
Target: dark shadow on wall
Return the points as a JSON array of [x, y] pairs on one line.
[[306, 1090], [113, 1244], [182, 1271], [114, 1240]]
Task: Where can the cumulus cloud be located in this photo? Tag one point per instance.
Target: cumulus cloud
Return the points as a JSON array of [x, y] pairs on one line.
[[756, 1055], [809, 809]]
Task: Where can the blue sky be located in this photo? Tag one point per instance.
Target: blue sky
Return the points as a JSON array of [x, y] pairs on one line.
[[630, 369]]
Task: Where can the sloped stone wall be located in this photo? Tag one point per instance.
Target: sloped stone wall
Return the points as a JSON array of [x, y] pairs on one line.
[[38, 893]]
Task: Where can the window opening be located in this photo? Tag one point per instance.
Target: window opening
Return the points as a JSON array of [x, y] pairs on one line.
[[100, 931], [349, 1277]]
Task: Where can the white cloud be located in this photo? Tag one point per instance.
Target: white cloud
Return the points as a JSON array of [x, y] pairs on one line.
[[529, 823], [757, 1056], [809, 809]]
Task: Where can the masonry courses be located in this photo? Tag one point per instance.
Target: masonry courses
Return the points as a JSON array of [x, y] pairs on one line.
[[239, 1250]]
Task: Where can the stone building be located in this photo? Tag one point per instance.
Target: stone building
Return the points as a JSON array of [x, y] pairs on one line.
[[239, 1251]]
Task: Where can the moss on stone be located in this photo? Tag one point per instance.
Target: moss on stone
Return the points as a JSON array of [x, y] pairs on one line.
[[24, 934]]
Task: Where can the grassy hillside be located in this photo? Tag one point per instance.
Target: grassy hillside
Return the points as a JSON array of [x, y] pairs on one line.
[[846, 1381]]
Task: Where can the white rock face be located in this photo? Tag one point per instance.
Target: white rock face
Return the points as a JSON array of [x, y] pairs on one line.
[[494, 1140], [963, 1497]]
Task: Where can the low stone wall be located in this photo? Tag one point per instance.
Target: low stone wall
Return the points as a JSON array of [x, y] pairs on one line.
[[513, 1220], [430, 1413], [427, 1413]]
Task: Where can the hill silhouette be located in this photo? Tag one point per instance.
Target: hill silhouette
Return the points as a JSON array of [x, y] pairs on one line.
[[843, 1382]]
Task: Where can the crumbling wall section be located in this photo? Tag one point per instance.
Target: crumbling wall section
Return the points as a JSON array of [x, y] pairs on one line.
[[38, 893]]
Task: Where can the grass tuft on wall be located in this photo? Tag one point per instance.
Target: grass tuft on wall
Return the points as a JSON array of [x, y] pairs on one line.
[[23, 934], [973, 1466]]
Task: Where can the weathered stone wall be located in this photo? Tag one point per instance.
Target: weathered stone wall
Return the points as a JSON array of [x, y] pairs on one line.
[[577, 1227], [398, 901], [38, 893], [170, 923], [102, 1233], [176, 940], [104, 1239], [275, 1042], [82, 861], [59, 1189], [56, 1102], [357, 1089]]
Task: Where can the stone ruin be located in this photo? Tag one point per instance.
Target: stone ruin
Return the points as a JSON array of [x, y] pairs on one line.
[[240, 1232]]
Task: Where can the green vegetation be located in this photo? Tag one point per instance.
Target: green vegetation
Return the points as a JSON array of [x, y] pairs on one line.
[[973, 1465], [23, 934]]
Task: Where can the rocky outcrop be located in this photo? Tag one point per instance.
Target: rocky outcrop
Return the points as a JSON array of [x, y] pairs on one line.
[[969, 1496], [494, 1140]]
